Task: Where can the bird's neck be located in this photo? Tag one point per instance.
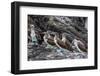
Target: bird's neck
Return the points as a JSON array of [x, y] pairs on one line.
[[56, 37], [49, 36], [63, 39], [76, 45]]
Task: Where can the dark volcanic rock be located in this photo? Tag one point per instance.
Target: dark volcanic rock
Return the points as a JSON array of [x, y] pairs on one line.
[[74, 27]]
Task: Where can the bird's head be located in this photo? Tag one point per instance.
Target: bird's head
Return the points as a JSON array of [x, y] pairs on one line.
[[66, 35], [78, 41], [47, 34], [51, 33], [56, 34], [32, 26]]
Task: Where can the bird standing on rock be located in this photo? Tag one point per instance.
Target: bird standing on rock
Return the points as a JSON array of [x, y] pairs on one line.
[[79, 46], [48, 39], [63, 44], [33, 35], [67, 42]]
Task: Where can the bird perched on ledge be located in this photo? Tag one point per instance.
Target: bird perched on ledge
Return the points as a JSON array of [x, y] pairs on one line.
[[67, 42], [48, 39], [79, 46], [62, 44], [33, 34]]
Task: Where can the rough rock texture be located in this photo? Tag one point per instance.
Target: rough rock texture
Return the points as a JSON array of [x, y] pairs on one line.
[[74, 27]]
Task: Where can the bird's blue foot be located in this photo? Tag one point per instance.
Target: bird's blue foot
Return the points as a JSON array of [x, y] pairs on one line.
[[59, 51]]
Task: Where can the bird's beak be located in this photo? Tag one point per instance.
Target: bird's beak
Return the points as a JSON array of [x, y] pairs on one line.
[[43, 32]]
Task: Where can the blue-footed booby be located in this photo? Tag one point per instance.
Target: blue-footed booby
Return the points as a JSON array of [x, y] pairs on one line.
[[48, 39], [62, 43], [79, 46]]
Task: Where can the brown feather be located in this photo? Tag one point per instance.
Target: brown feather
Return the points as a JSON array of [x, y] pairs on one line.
[[50, 40], [82, 47], [61, 43], [69, 46]]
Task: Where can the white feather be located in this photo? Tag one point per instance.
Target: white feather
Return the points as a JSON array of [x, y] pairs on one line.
[[75, 42]]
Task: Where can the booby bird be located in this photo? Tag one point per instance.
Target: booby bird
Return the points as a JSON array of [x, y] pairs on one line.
[[62, 44], [48, 39], [58, 41], [66, 42], [79, 46], [33, 34]]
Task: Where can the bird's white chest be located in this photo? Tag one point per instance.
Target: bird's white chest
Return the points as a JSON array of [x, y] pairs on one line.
[[76, 45], [45, 39], [32, 33], [56, 42]]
